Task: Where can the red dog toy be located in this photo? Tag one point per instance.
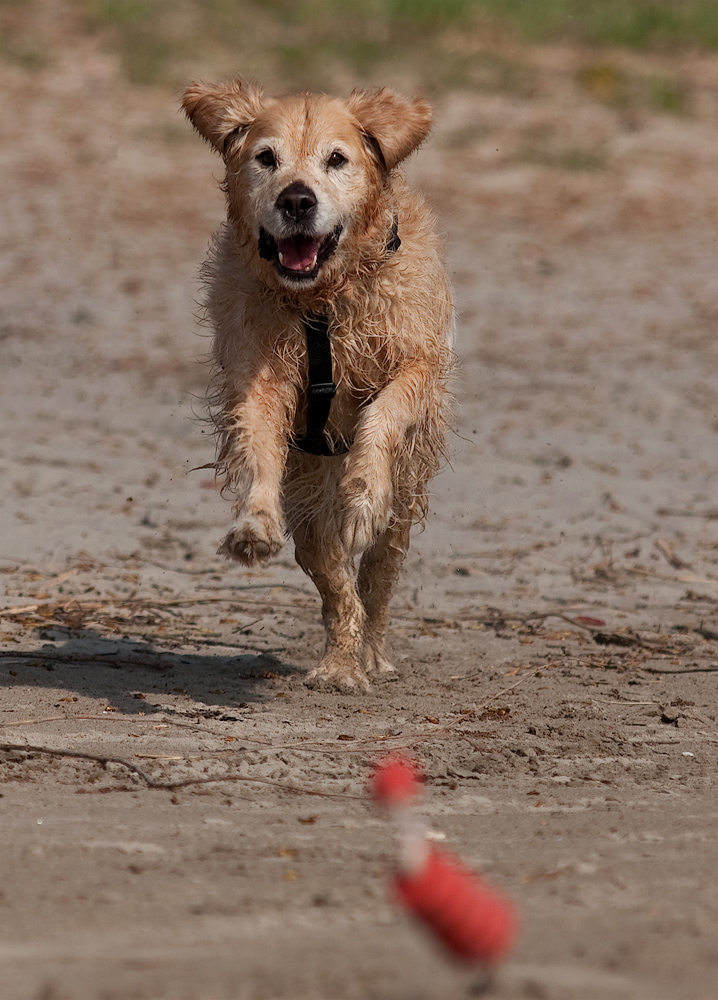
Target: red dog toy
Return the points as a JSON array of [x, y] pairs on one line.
[[470, 918]]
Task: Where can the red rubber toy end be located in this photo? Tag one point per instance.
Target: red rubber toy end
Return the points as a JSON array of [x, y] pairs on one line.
[[469, 917], [395, 781]]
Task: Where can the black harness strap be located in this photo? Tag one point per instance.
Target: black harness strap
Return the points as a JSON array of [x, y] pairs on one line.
[[394, 242], [321, 389]]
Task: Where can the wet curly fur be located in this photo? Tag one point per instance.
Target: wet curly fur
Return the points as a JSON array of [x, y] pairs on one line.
[[390, 319]]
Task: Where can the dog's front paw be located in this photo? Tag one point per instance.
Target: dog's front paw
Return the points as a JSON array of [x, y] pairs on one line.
[[253, 539], [365, 513], [338, 669]]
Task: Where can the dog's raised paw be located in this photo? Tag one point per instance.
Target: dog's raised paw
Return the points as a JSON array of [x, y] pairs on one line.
[[252, 540], [365, 514]]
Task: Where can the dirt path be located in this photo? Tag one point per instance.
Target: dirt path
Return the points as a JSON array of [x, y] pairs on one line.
[[555, 629]]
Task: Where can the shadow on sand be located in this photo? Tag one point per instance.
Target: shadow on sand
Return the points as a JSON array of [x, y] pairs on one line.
[[133, 675]]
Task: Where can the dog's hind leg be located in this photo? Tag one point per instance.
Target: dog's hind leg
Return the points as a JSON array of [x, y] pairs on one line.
[[378, 573], [321, 555]]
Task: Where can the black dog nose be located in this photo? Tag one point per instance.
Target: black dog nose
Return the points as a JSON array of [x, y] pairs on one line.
[[296, 201]]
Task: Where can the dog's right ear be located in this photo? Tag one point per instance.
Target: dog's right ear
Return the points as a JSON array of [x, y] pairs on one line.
[[392, 126], [222, 112]]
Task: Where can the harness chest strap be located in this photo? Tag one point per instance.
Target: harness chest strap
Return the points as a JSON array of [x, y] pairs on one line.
[[321, 389]]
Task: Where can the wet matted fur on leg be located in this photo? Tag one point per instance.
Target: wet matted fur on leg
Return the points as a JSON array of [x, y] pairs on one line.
[[333, 323]]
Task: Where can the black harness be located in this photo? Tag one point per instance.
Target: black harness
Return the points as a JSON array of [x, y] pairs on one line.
[[322, 389]]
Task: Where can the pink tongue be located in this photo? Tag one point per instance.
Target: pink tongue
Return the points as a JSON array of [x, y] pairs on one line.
[[298, 254]]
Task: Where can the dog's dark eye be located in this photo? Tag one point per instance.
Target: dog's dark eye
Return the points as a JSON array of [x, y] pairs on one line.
[[337, 159], [267, 158]]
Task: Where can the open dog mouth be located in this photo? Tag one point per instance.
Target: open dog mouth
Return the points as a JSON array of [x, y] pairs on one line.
[[298, 257]]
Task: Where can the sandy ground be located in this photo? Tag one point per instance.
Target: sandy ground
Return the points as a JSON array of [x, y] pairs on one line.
[[555, 628]]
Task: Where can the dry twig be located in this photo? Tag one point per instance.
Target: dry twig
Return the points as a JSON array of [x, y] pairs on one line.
[[169, 786]]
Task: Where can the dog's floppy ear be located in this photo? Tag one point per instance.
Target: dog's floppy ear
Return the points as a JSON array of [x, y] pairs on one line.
[[393, 126], [222, 112]]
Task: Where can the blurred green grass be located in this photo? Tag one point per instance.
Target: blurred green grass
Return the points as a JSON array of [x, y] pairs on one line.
[[436, 44]]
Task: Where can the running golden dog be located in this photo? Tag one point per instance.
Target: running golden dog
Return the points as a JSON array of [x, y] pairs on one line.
[[333, 323]]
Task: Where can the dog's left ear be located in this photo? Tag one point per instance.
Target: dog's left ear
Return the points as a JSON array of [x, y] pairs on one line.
[[222, 112], [393, 126]]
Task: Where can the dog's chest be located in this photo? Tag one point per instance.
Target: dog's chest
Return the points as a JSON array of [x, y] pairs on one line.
[[359, 365]]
